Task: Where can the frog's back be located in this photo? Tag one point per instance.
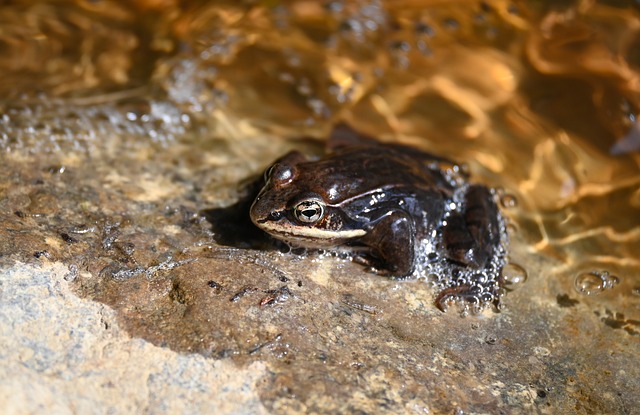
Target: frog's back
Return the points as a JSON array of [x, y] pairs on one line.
[[360, 169]]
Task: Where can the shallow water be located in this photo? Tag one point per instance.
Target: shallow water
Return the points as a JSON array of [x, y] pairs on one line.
[[120, 123]]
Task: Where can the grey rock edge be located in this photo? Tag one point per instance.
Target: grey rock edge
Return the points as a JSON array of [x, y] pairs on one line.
[[60, 354]]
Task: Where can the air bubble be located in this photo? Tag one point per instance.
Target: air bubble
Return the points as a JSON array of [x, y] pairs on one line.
[[513, 275], [508, 201], [400, 45], [451, 23], [433, 278], [595, 282], [476, 309], [486, 298], [609, 281], [460, 281], [480, 279], [424, 29], [588, 283], [464, 169]]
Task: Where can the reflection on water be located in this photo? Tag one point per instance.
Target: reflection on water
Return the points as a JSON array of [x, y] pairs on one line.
[[540, 98]]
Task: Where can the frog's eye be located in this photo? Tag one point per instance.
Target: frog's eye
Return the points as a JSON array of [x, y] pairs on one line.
[[309, 211]]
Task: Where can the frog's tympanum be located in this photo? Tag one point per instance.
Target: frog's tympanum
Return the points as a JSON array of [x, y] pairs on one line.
[[400, 210]]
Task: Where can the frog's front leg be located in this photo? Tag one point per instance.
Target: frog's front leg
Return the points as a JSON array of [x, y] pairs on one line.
[[391, 239], [470, 236]]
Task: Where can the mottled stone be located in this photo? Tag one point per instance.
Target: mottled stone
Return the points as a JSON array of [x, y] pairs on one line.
[[62, 354]]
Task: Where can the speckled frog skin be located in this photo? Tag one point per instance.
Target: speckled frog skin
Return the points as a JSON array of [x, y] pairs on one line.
[[386, 202]]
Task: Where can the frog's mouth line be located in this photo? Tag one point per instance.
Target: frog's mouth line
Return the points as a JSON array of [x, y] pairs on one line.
[[308, 233]]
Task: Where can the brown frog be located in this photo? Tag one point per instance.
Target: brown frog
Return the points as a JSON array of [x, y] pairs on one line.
[[394, 206]]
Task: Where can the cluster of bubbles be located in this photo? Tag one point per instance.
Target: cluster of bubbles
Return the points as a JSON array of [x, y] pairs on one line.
[[56, 125], [594, 282], [473, 289]]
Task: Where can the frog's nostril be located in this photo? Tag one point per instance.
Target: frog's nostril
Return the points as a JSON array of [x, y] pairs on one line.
[[275, 216]]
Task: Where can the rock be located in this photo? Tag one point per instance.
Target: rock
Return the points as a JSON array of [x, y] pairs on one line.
[[62, 354]]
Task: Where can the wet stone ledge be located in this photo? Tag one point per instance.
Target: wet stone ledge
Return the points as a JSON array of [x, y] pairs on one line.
[[110, 288]]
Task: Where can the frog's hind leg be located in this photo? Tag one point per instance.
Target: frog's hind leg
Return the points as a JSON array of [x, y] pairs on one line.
[[392, 242], [471, 236]]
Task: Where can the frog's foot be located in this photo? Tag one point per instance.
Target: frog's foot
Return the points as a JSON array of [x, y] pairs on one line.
[[371, 264], [471, 236], [392, 241]]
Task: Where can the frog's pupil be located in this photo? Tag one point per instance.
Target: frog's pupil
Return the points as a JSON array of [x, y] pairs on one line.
[[308, 213]]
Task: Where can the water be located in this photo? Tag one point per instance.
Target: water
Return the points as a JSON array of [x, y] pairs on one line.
[[552, 124], [120, 123], [543, 122]]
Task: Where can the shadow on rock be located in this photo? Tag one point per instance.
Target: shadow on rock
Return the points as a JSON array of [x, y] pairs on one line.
[[232, 225]]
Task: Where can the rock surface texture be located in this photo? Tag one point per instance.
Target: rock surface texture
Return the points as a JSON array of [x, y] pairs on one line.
[[132, 280]]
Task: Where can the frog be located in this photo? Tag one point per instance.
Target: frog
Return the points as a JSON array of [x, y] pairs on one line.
[[384, 202]]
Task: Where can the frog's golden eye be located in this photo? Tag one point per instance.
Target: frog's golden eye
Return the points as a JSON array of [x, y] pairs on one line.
[[309, 211]]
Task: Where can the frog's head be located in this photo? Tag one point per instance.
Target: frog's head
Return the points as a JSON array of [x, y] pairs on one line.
[[290, 208]]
